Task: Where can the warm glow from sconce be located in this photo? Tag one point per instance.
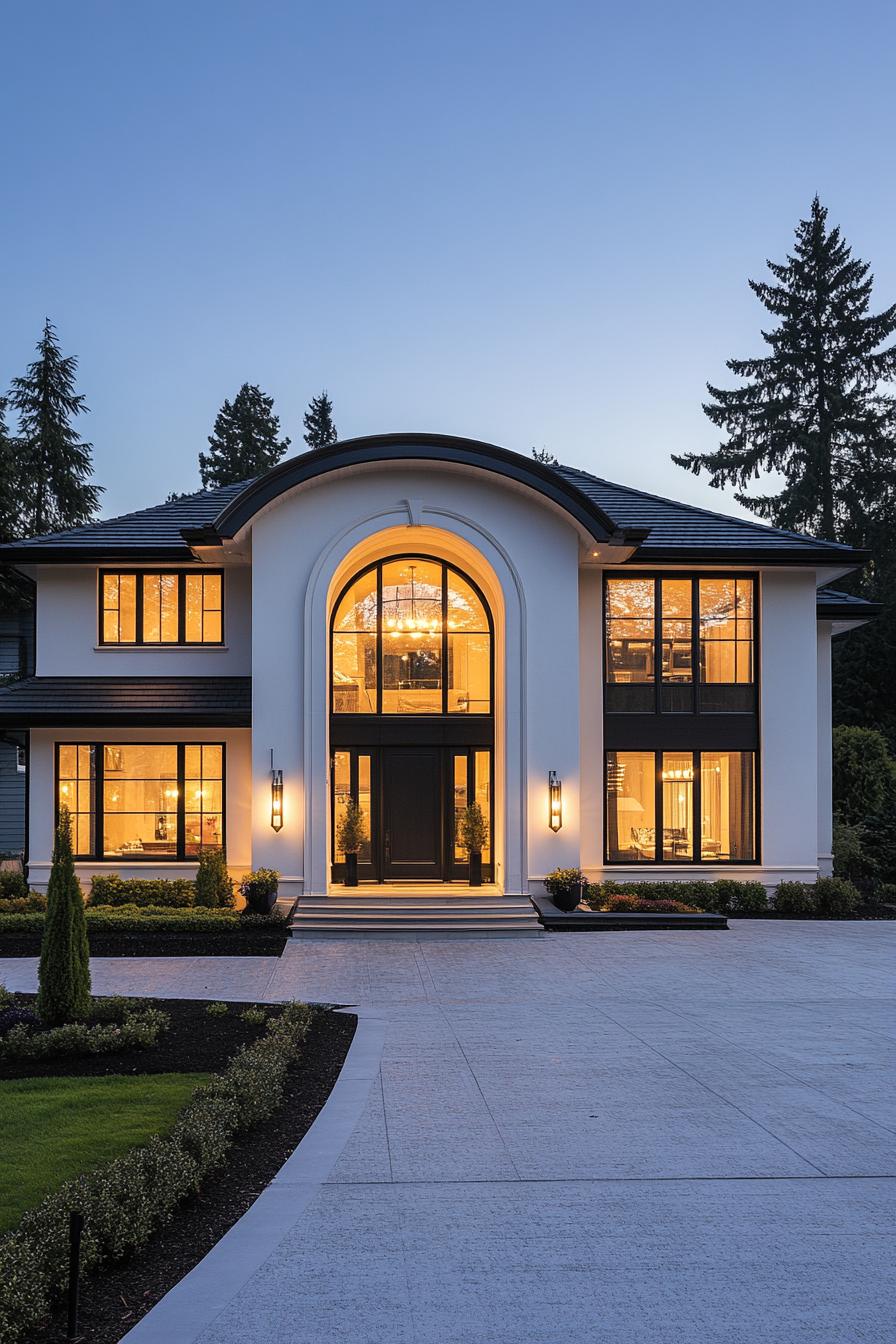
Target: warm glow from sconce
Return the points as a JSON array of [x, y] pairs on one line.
[[276, 799], [555, 795]]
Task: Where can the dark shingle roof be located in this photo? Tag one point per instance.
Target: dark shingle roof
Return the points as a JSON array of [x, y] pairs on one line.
[[675, 531], [688, 529], [194, 702], [153, 533], [832, 605]]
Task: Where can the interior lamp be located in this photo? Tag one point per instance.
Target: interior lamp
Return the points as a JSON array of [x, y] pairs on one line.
[[555, 795]]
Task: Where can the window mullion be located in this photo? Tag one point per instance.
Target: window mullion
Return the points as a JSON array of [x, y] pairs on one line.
[[657, 645], [444, 639], [379, 637], [182, 608], [658, 807], [99, 800], [181, 801], [697, 804], [138, 605]]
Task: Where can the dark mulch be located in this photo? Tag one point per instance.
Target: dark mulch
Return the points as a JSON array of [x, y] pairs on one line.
[[194, 1043], [243, 943], [113, 1301]]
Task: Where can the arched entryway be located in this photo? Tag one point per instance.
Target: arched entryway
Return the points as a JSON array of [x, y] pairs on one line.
[[411, 716]]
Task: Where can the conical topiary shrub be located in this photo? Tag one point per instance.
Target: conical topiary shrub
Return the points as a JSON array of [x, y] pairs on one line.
[[64, 974], [214, 885]]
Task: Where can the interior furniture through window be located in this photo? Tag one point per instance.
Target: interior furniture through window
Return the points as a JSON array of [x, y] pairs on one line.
[[142, 801], [680, 807], [679, 644]]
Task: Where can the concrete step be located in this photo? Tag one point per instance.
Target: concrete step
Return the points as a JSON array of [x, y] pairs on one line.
[[411, 915]]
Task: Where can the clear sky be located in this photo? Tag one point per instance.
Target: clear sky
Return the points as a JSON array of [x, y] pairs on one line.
[[530, 223]]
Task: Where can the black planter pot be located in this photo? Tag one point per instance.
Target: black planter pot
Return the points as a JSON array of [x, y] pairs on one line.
[[351, 870], [475, 870], [567, 900]]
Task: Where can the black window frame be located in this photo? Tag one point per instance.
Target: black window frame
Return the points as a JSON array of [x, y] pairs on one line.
[[443, 713], [696, 684], [139, 642], [697, 859], [181, 856]]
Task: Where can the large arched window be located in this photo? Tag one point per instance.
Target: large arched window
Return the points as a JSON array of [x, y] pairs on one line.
[[411, 635]]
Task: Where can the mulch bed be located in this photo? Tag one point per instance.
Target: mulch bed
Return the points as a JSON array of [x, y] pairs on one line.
[[112, 1302], [242, 943]]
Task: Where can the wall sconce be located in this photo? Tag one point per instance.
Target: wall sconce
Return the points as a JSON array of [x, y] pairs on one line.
[[555, 793], [276, 796]]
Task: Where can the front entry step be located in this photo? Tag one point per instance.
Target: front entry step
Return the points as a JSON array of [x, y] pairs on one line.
[[415, 915]]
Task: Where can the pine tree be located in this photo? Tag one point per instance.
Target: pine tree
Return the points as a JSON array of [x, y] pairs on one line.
[[813, 409], [544, 455], [64, 972], [54, 464], [245, 440], [318, 422], [8, 480]]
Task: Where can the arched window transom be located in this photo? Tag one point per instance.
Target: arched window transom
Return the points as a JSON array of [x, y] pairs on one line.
[[411, 635]]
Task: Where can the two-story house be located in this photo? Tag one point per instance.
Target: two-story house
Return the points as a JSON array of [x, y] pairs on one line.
[[625, 683]]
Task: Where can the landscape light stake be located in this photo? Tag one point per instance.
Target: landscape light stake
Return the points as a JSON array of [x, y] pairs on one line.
[[75, 1228]]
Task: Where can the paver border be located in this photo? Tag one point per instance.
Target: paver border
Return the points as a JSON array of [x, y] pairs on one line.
[[190, 1307]]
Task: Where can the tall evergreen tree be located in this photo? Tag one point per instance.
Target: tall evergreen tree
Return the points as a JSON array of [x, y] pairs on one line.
[[544, 455], [245, 440], [53, 464], [318, 422], [813, 409]]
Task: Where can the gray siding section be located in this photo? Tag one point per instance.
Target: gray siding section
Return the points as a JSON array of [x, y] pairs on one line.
[[12, 801]]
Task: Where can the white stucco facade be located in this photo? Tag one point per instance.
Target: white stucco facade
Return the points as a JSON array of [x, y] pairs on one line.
[[542, 576]]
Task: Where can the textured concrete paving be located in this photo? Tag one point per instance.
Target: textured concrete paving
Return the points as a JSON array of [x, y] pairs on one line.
[[601, 1137]]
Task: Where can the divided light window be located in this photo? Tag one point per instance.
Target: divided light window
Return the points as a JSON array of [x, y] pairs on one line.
[[681, 807], [680, 644], [165, 607], [142, 801]]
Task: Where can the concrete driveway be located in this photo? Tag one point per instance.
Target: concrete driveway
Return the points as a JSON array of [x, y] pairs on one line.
[[600, 1137]]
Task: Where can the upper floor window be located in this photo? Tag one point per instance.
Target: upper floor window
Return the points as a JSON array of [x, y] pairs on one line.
[[411, 635], [680, 644], [167, 607]]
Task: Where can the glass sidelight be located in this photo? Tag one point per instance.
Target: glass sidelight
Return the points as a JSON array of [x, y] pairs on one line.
[[351, 777], [471, 781]]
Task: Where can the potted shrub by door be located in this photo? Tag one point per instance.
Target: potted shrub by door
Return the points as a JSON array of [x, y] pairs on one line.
[[350, 836], [472, 836], [566, 887]]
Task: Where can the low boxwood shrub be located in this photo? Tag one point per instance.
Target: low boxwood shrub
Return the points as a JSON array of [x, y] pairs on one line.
[[110, 889], [740, 898], [259, 889], [137, 1030], [18, 905], [796, 899], [125, 1202], [835, 898], [12, 885]]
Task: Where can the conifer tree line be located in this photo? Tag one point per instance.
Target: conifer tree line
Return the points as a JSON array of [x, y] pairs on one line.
[[46, 468], [818, 410]]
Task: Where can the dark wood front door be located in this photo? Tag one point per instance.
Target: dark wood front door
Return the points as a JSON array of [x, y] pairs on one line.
[[412, 813]]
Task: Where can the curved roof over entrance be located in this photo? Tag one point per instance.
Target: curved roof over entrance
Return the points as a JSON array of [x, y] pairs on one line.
[[379, 448]]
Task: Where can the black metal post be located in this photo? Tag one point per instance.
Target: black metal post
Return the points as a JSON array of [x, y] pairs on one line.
[[75, 1228]]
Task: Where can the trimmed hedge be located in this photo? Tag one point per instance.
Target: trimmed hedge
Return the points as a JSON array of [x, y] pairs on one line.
[[12, 885], [622, 904], [796, 899], [137, 1030], [727, 896], [836, 898], [110, 889], [127, 1201]]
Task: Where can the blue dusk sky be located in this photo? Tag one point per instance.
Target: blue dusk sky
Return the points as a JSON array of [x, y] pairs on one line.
[[531, 223]]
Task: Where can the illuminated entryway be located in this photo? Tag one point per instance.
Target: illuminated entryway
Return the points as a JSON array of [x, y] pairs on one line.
[[411, 717]]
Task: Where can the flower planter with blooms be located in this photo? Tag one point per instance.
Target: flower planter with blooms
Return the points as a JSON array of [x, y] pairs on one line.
[[472, 837], [566, 887], [351, 832]]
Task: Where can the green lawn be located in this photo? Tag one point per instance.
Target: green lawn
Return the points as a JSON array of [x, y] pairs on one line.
[[54, 1128]]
